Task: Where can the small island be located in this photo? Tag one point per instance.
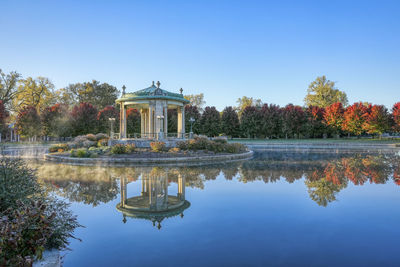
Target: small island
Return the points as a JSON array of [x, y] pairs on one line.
[[99, 149]]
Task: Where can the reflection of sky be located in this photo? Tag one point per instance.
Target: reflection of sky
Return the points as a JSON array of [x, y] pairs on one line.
[[254, 223]]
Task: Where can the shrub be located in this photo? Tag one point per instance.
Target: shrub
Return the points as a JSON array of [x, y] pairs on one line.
[[101, 136], [91, 137], [174, 150], [73, 153], [30, 220], [88, 143], [59, 148], [102, 142], [24, 233], [130, 148], [215, 147], [118, 149], [235, 148], [157, 146], [182, 145], [220, 140], [82, 153]]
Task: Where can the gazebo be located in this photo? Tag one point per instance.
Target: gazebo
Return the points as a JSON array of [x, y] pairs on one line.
[[153, 103]]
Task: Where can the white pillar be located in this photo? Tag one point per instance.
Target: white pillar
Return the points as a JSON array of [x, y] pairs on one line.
[[151, 121], [122, 124], [179, 122], [142, 123], [166, 121]]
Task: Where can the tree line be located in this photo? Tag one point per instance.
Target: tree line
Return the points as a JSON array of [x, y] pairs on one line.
[[80, 108]]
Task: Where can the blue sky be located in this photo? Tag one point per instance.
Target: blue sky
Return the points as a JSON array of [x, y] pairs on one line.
[[270, 50]]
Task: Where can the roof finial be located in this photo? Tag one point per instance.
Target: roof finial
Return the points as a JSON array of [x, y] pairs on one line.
[[152, 84], [181, 90], [158, 84], [123, 89]]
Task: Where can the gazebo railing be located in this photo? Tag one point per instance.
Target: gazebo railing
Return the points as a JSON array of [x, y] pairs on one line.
[[153, 135]]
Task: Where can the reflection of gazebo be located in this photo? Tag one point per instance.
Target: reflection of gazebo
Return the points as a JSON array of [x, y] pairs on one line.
[[153, 103], [154, 203]]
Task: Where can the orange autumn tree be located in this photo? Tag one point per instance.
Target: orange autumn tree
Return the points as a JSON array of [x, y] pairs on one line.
[[354, 118], [396, 116], [377, 120], [334, 116]]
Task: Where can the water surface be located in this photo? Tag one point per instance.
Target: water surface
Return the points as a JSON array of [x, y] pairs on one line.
[[300, 208]]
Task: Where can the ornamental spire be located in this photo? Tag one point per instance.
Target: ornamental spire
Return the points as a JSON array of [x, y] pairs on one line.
[[158, 84], [181, 90], [123, 89]]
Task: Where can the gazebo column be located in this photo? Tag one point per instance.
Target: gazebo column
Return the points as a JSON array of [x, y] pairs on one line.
[[181, 122], [151, 121], [122, 123], [166, 121], [142, 123]]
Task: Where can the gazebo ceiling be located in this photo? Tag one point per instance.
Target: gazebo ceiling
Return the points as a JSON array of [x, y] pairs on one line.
[[152, 93]]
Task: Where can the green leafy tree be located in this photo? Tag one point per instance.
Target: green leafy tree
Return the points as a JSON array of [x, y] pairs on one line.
[[37, 93], [210, 121], [245, 101], [230, 124], [3, 118], [9, 88], [322, 93], [98, 94], [197, 101]]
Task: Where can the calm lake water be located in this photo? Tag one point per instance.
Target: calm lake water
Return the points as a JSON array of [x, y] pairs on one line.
[[299, 208]]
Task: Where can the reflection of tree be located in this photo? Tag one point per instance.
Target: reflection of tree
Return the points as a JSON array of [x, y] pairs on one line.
[[94, 192], [322, 191]]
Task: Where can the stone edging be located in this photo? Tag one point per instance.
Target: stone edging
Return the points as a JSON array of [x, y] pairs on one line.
[[145, 161]]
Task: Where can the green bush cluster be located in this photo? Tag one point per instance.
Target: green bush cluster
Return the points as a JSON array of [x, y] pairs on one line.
[[30, 220], [59, 148], [122, 149], [92, 152], [218, 145]]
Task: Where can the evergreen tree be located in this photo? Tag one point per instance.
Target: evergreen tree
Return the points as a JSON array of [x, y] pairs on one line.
[[210, 121]]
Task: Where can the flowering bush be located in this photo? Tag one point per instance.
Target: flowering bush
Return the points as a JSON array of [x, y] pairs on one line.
[[157, 146]]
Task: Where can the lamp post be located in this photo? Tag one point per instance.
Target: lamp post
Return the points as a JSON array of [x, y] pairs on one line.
[[191, 120], [111, 127], [161, 123]]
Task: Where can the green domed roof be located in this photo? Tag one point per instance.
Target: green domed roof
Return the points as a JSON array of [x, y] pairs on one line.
[[152, 92]]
